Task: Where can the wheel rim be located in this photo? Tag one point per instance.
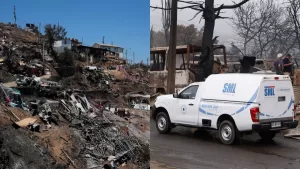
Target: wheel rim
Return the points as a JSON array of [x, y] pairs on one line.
[[161, 123], [226, 132]]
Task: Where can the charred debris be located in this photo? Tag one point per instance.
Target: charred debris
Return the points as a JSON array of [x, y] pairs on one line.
[[94, 116]]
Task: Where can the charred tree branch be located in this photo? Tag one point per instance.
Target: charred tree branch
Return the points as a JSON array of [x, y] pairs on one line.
[[231, 6], [184, 7]]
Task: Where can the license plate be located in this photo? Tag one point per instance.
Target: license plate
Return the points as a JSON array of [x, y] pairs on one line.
[[276, 124]]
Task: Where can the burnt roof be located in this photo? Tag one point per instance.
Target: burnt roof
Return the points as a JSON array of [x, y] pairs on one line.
[[89, 47], [182, 49]]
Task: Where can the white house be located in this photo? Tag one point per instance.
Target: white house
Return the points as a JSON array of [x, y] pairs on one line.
[[117, 50], [60, 45]]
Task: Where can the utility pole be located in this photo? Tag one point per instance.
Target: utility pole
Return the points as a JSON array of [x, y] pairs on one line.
[[40, 28], [126, 54], [133, 57], [103, 39], [87, 58], [172, 50], [43, 56], [40, 35], [15, 15], [147, 61]]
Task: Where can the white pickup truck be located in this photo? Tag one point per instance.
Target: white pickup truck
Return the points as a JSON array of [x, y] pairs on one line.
[[233, 104]]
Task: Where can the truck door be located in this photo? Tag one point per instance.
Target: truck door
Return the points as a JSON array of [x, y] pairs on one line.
[[186, 106], [276, 100]]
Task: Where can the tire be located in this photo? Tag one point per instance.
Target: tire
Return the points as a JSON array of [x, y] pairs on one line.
[[163, 124], [268, 136], [227, 132]]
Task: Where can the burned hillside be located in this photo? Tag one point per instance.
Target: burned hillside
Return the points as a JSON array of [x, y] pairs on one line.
[[96, 117]]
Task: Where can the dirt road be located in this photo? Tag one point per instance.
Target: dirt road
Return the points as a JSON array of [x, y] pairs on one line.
[[182, 148]]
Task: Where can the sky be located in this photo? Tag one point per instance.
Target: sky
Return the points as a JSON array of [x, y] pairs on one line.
[[125, 23], [222, 27]]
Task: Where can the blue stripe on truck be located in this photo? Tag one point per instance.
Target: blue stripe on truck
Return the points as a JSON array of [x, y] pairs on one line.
[[251, 100], [239, 110], [207, 113], [248, 103]]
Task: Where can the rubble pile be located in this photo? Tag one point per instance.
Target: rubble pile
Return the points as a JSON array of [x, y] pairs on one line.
[[104, 142], [93, 119], [10, 33], [6, 76], [19, 49], [104, 139], [17, 42], [89, 81]]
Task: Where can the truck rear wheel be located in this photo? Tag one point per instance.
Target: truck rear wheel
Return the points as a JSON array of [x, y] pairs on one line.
[[268, 135], [163, 123], [227, 132]]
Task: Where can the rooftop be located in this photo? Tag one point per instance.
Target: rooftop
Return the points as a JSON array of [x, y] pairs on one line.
[[179, 49], [97, 45], [89, 47]]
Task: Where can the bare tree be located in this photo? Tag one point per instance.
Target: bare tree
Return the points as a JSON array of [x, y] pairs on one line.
[[269, 25], [210, 14], [293, 10], [243, 22], [151, 36], [166, 19], [263, 28], [188, 35], [158, 38]]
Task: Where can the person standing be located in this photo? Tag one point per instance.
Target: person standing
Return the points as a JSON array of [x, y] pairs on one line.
[[278, 65], [287, 65]]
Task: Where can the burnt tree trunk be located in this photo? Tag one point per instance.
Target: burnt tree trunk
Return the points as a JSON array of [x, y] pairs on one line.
[[206, 64], [167, 37]]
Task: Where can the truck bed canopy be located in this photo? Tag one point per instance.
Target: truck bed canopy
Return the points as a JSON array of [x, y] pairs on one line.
[[235, 87]]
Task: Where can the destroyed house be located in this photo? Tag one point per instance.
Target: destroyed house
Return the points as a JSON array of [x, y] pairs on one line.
[[184, 55], [94, 54], [31, 27], [187, 58], [113, 49], [159, 67], [60, 45]]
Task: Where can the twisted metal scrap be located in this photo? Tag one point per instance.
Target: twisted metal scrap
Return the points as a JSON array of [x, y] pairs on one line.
[[105, 138]]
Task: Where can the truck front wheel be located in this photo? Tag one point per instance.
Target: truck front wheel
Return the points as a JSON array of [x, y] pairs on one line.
[[163, 123], [227, 132], [269, 135]]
